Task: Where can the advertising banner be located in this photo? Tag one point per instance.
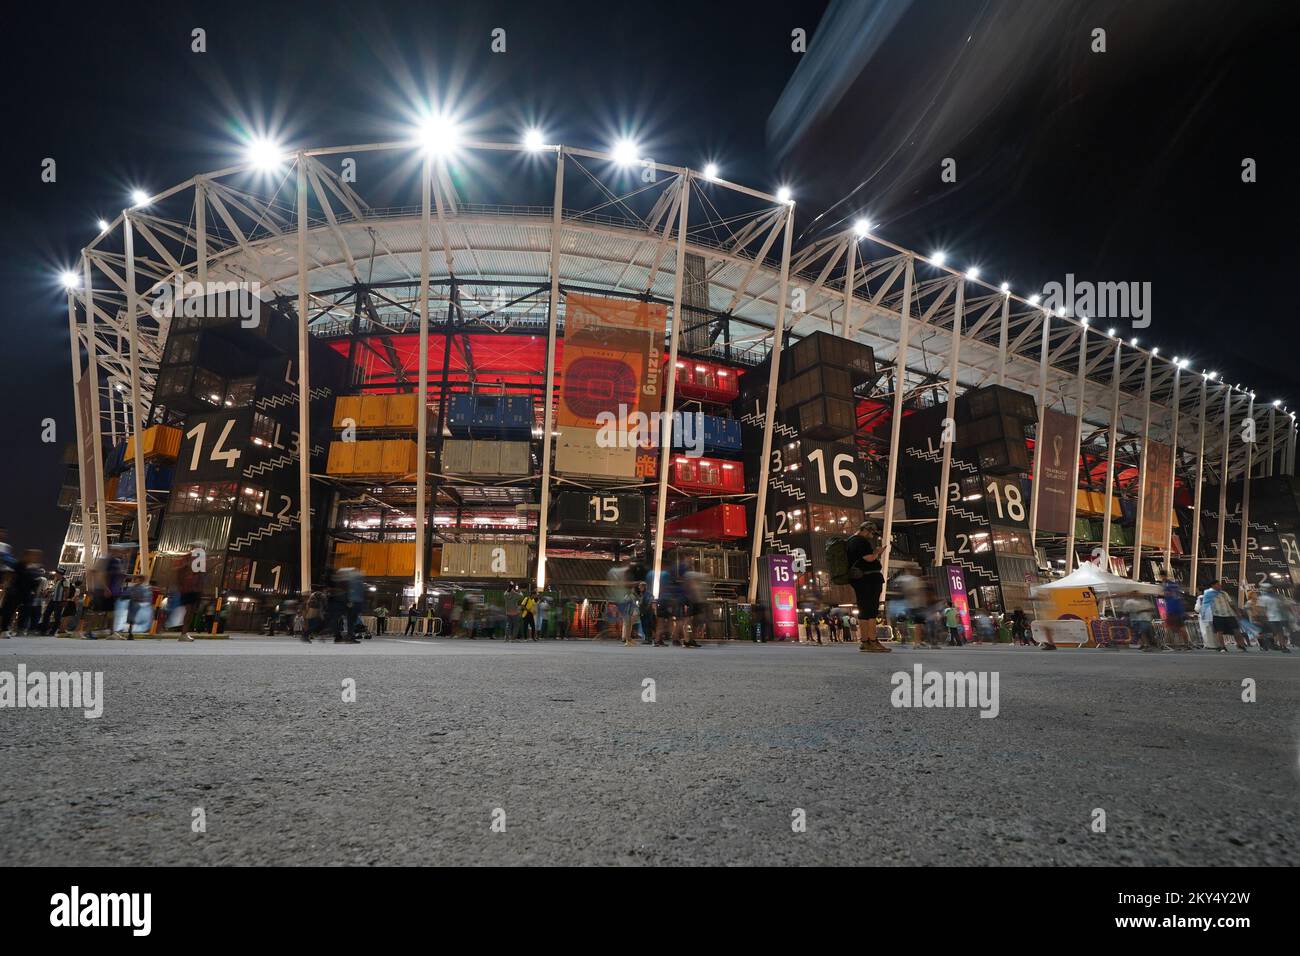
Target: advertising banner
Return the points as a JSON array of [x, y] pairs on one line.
[[781, 583], [1157, 508], [611, 380], [1056, 472], [957, 594]]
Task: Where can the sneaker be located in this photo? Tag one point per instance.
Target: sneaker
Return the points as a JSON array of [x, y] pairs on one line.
[[690, 643], [187, 637]]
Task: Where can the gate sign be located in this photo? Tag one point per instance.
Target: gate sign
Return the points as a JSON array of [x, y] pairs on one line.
[[781, 582]]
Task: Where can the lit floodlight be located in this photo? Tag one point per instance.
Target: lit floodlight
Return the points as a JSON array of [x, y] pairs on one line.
[[1111, 332], [69, 279], [972, 273], [1005, 287], [784, 195], [862, 228], [1156, 350], [711, 171], [102, 224], [533, 139], [626, 152], [264, 154], [1133, 341], [139, 198], [439, 134], [1214, 375], [1083, 319], [1060, 311], [1033, 299], [1277, 403]]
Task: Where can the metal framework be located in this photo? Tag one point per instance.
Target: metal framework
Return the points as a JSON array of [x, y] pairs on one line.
[[309, 237]]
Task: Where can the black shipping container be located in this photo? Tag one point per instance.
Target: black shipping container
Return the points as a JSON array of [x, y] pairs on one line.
[[999, 400], [823, 348], [814, 383], [985, 431], [1003, 457], [826, 417]]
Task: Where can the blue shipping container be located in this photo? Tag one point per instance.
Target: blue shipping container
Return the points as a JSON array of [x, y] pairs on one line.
[[720, 434], [517, 417], [158, 477], [460, 415], [486, 422]]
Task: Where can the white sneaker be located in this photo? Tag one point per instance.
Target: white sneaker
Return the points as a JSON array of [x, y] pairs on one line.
[[187, 637]]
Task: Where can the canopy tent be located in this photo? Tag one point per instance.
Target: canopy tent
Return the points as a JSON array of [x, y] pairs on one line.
[[1105, 584]]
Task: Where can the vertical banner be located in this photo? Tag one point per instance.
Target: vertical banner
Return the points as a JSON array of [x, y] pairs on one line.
[[1158, 510], [1057, 466], [781, 584], [957, 595], [610, 383], [89, 492]]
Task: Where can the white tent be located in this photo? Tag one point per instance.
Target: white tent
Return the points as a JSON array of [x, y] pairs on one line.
[[1105, 584]]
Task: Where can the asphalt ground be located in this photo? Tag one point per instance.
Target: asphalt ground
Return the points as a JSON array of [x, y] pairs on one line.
[[554, 744]]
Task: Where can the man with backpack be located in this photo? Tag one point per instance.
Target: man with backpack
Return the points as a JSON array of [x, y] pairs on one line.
[[856, 562]]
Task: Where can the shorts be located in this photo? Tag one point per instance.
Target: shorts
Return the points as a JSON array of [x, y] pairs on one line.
[[866, 591], [1225, 625]]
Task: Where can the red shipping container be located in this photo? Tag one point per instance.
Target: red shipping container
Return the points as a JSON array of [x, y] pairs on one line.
[[707, 381], [712, 524], [708, 476]]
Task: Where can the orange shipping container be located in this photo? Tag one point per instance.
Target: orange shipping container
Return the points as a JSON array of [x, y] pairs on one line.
[[399, 457], [342, 457], [347, 406], [160, 441], [369, 458], [374, 411], [401, 411], [401, 559]]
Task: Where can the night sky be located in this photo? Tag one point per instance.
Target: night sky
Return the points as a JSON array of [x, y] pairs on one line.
[[1122, 166]]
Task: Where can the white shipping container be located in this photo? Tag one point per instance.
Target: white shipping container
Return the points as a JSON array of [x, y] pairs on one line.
[[499, 559], [577, 453], [515, 459], [486, 458], [457, 456], [456, 560]]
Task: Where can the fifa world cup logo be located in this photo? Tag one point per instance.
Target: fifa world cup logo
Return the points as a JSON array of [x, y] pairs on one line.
[[1057, 442]]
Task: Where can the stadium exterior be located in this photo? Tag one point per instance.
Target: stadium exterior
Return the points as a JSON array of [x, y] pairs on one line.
[[448, 297]]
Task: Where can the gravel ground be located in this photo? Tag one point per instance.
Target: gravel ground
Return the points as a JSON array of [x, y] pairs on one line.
[[556, 736]]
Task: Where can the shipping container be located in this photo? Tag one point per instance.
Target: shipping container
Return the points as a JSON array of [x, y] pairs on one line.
[[455, 560], [369, 458], [824, 348], [485, 458], [719, 434], [1000, 400], [342, 458], [707, 381], [460, 415], [827, 418], [400, 457], [719, 523], [515, 458], [707, 476], [486, 421], [401, 559], [517, 417], [160, 441], [1004, 457], [816, 381], [986, 431], [158, 477], [374, 411], [401, 411], [457, 456], [499, 559], [347, 407], [116, 459]]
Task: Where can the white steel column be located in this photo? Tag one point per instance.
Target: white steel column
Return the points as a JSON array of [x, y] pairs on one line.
[[1223, 481], [1078, 450], [1245, 506], [954, 357], [1173, 472], [1112, 441], [92, 368], [670, 394], [112, 414], [1272, 440], [557, 218], [84, 479], [1002, 338], [769, 417], [1200, 477], [896, 420], [421, 409], [201, 235], [304, 389], [1142, 472], [137, 414], [1038, 436], [849, 277]]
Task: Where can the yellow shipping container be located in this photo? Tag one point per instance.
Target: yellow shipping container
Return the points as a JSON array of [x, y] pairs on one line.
[[374, 559], [160, 441], [342, 458], [401, 411], [399, 456], [401, 559], [374, 411], [369, 458], [347, 406], [347, 554]]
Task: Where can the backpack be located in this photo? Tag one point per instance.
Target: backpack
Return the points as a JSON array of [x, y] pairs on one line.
[[837, 560]]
